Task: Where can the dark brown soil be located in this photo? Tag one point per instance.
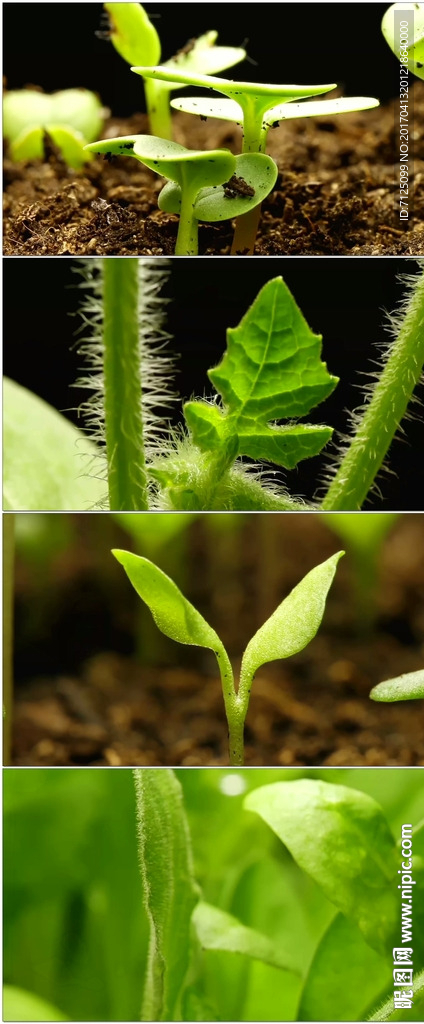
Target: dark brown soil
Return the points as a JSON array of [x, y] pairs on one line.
[[313, 709], [336, 194]]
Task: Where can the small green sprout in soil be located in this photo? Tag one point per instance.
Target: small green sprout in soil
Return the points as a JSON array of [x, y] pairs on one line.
[[289, 630], [71, 118], [410, 51], [257, 107], [409, 686], [269, 379], [193, 179], [136, 40]]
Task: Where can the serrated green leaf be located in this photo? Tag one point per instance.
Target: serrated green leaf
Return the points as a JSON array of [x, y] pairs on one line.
[[271, 370], [170, 891], [341, 838], [132, 33], [216, 929], [48, 464], [293, 624], [409, 686]]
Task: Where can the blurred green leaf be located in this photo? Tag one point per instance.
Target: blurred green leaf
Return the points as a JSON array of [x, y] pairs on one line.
[[19, 1005]]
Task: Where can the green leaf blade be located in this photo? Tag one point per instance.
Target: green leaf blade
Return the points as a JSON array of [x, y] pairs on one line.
[[218, 930], [409, 686], [174, 615], [132, 33], [293, 624], [340, 837], [169, 889], [271, 370]]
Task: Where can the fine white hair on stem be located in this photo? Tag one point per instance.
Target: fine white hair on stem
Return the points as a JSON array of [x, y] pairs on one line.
[[157, 364], [396, 323]]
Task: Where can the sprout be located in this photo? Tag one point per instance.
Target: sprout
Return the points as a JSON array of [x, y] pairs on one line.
[[212, 185], [411, 53], [71, 117]]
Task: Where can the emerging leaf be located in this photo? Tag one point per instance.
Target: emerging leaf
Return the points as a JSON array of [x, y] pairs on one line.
[[409, 686], [341, 838], [196, 167], [272, 369], [293, 624], [217, 930], [201, 55], [132, 33]]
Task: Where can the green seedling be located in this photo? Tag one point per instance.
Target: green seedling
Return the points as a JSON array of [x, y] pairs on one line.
[[257, 108], [71, 118], [410, 51], [209, 186], [271, 372], [136, 40], [240, 895], [409, 686], [289, 630]]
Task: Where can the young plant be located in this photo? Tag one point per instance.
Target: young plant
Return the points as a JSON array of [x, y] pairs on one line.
[[193, 179], [71, 118], [271, 371], [409, 686], [136, 40], [411, 54], [257, 108], [288, 631]]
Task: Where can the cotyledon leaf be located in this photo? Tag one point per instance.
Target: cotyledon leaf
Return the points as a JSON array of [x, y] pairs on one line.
[[270, 371], [218, 930], [174, 615], [409, 686], [341, 838], [170, 891], [293, 624]]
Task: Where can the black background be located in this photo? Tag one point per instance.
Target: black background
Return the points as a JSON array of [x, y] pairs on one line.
[[54, 46], [342, 298]]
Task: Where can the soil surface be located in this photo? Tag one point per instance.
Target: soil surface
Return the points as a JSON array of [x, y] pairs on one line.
[[336, 193], [310, 710]]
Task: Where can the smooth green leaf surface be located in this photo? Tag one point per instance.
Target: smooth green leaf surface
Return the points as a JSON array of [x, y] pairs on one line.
[[345, 978], [171, 160], [76, 108], [409, 686], [415, 16], [169, 889], [174, 615], [266, 95], [48, 464], [340, 837], [19, 1005], [230, 110], [132, 33], [255, 170], [216, 929], [201, 55], [271, 370], [293, 624], [364, 533]]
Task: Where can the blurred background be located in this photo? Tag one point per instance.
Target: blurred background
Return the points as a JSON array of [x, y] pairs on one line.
[[344, 300], [55, 46], [97, 683], [74, 924]]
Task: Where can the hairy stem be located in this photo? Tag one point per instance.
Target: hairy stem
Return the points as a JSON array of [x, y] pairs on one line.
[[383, 413], [388, 1012], [122, 387], [8, 573]]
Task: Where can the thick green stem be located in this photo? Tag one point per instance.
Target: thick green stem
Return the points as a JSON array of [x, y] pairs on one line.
[[236, 740], [8, 573], [383, 414], [187, 243], [122, 387], [158, 108], [235, 716]]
